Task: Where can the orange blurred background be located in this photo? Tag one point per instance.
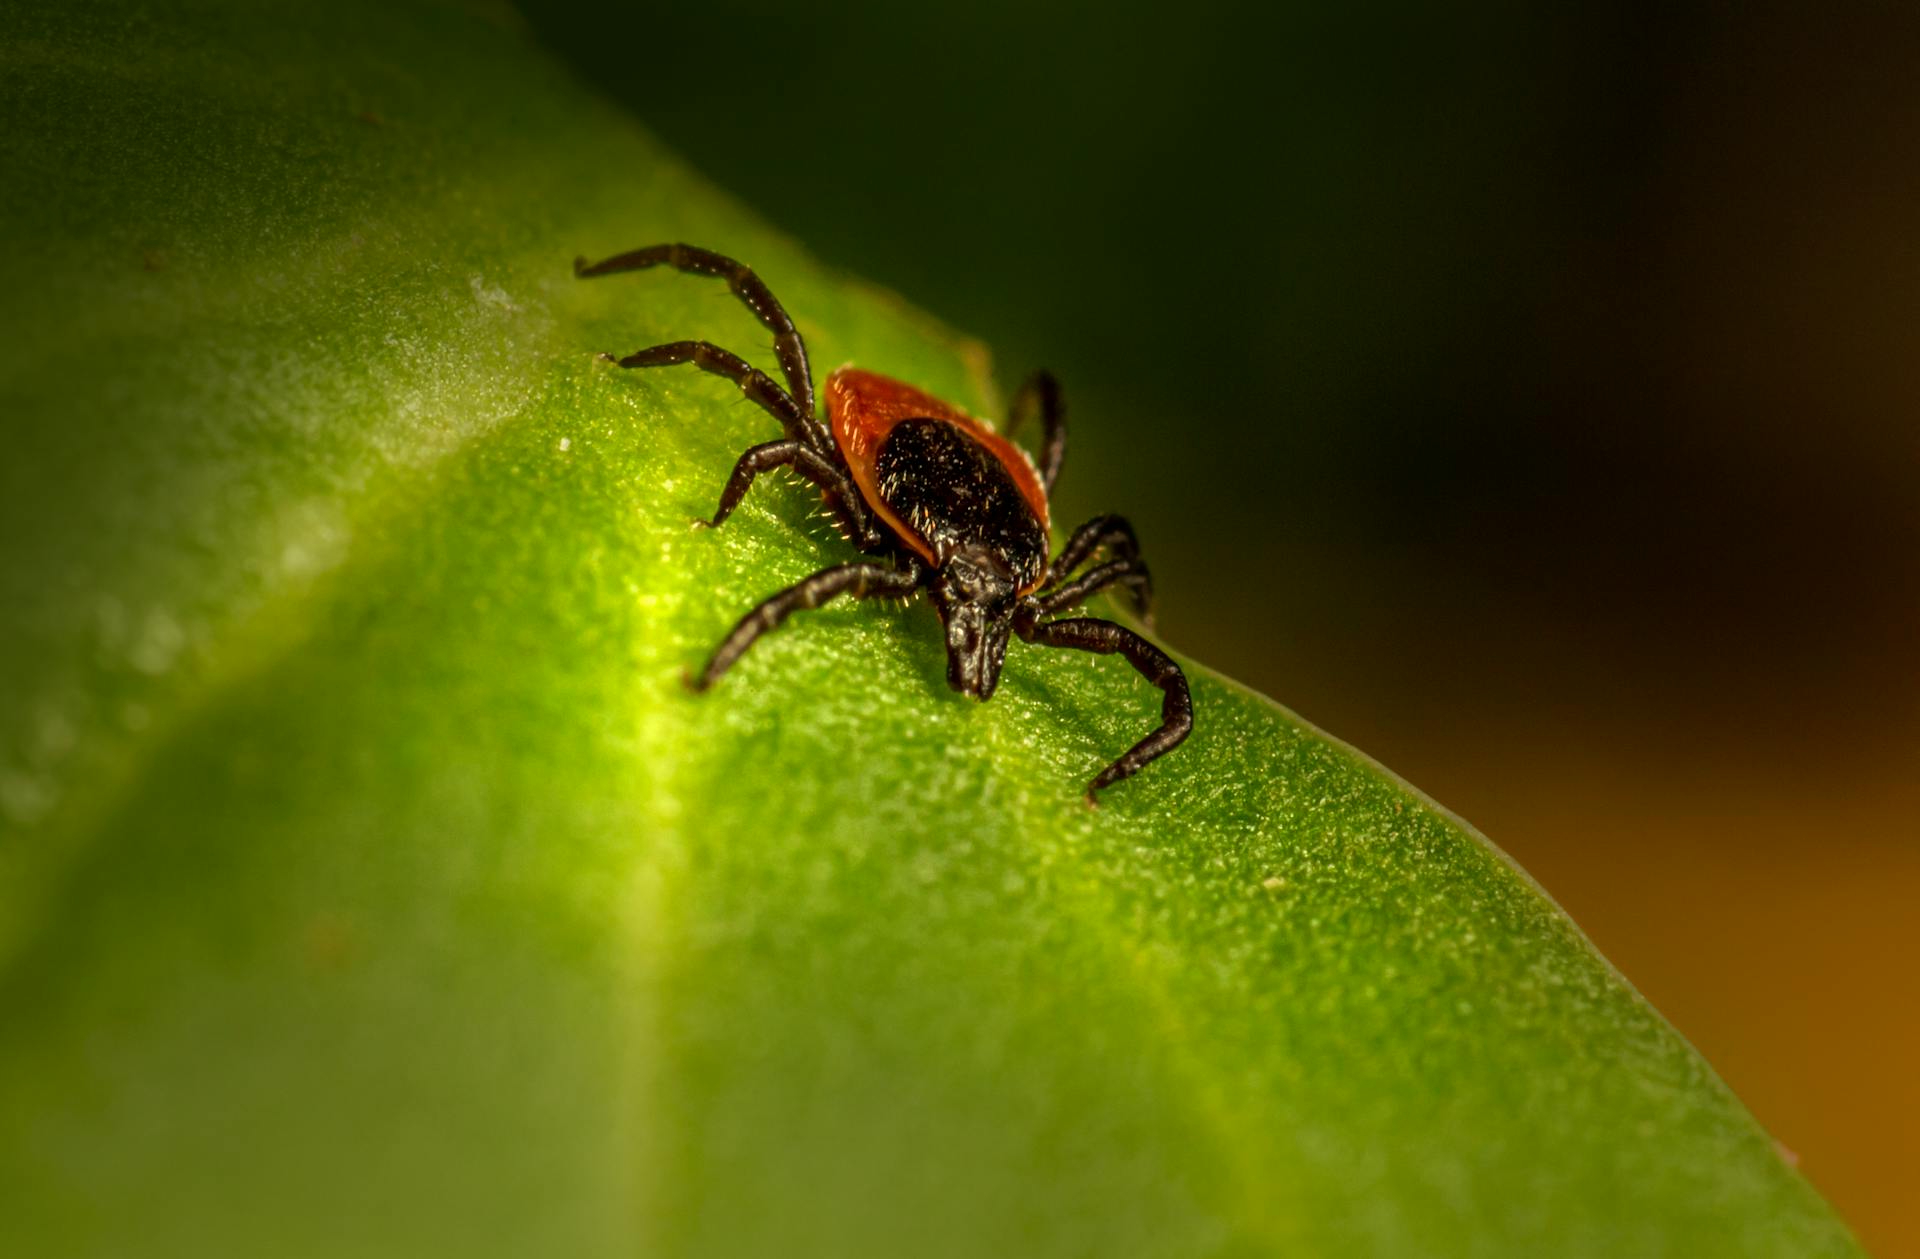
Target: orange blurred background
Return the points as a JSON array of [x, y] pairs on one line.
[[1529, 395]]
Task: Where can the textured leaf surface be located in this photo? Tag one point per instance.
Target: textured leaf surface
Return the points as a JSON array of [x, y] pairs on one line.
[[368, 884]]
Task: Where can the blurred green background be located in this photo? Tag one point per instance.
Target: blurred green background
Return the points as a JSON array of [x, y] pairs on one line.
[[1524, 393]]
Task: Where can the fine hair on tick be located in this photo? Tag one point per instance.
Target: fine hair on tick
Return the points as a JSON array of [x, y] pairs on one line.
[[954, 508]]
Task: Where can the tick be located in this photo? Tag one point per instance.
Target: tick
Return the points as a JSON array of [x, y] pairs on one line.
[[958, 509]]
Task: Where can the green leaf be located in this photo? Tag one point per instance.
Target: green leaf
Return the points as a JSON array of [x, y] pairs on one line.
[[370, 885]]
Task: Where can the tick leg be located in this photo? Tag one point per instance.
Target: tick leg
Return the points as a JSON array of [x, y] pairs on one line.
[[1110, 532], [754, 383], [1041, 394], [1105, 638], [859, 579], [842, 498], [1130, 572], [746, 286]]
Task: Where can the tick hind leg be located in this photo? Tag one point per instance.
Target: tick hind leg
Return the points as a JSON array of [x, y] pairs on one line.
[[862, 580], [1040, 396], [758, 387], [1105, 638], [746, 286], [842, 498]]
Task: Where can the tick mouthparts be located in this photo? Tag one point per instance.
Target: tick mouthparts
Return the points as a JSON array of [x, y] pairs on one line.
[[975, 654]]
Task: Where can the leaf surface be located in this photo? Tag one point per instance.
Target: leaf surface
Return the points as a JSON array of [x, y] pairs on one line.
[[369, 884]]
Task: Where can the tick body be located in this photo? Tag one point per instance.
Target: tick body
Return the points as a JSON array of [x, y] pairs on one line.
[[957, 509]]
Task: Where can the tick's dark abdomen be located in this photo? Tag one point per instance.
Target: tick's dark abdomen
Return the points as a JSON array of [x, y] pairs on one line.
[[955, 494]]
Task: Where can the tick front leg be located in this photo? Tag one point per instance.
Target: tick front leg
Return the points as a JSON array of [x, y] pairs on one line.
[[754, 383], [1105, 638], [861, 580], [1130, 572], [1040, 395], [842, 498], [1111, 532], [1115, 536]]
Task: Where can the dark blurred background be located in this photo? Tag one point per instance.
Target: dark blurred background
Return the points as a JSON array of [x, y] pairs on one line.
[[1525, 393]]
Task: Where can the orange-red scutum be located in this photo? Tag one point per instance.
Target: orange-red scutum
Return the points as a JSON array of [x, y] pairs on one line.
[[864, 406]]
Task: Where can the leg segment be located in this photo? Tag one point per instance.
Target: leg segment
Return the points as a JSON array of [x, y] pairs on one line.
[[754, 383], [1041, 394], [746, 286], [1105, 638], [859, 579], [1110, 532], [843, 499], [1130, 572]]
